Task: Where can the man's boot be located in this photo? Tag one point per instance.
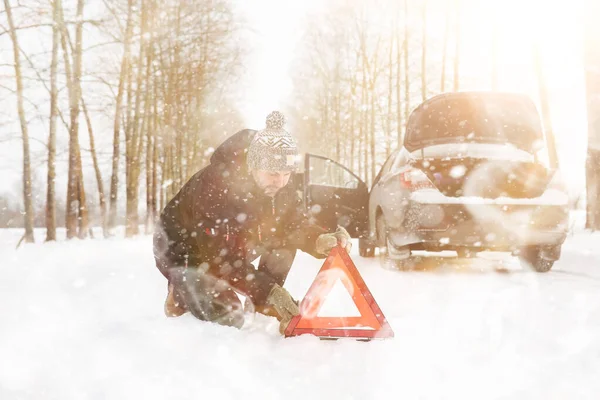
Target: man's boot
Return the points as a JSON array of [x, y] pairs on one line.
[[172, 306], [268, 311], [264, 309]]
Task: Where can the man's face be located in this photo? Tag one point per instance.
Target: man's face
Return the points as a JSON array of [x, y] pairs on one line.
[[271, 181]]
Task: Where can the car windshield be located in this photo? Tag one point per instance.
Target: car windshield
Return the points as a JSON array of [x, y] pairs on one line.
[[481, 119]]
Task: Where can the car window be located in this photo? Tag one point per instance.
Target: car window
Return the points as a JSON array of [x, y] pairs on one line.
[[387, 165], [325, 172], [399, 161], [389, 162]]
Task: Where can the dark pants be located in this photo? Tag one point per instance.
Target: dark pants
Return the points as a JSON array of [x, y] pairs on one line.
[[209, 298]]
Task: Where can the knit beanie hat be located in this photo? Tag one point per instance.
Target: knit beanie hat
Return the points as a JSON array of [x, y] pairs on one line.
[[273, 148]]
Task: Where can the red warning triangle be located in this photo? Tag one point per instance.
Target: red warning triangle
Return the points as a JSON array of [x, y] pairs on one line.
[[339, 267]]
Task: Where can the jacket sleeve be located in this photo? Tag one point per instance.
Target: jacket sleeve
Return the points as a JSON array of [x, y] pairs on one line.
[[302, 231]]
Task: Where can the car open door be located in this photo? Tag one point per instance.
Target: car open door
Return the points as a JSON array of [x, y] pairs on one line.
[[334, 195]]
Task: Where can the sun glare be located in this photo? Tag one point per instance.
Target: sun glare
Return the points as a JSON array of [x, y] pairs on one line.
[[519, 25], [556, 28]]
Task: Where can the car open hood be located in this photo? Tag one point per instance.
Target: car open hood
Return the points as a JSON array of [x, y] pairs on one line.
[[493, 151], [475, 117]]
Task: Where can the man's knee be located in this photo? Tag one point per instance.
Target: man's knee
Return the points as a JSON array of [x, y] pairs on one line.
[[227, 310], [209, 299], [160, 247]]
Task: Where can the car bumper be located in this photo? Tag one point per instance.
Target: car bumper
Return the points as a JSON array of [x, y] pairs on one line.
[[487, 227]]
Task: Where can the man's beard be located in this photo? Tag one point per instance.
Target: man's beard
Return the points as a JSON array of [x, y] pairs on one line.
[[271, 190]]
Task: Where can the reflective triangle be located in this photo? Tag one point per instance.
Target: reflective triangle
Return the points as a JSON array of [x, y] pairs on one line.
[[370, 323]]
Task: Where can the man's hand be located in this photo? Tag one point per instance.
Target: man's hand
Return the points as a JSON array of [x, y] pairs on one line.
[[283, 302], [328, 241]]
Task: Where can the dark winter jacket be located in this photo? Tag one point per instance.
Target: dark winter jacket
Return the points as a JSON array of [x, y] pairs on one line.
[[220, 221]]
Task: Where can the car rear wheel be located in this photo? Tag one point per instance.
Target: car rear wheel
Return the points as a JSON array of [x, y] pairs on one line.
[[386, 248], [533, 258]]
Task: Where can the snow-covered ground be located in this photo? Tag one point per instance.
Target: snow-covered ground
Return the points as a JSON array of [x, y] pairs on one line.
[[84, 320]]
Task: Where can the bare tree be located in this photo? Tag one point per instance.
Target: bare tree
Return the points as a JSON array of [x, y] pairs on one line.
[[51, 195], [445, 48], [98, 173], [406, 64], [114, 180], [399, 45], [494, 52], [457, 48], [77, 213], [160, 98], [134, 135], [545, 105], [424, 54], [592, 77], [390, 98], [27, 194]]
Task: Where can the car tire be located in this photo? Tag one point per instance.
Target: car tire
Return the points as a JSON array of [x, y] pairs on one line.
[[365, 248], [383, 243], [532, 258]]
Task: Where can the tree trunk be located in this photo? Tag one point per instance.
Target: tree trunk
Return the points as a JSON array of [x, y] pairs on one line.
[[149, 194], [545, 106], [83, 218], [114, 179], [338, 110], [73, 206], [155, 155], [51, 193], [445, 50], [162, 194], [178, 156], [494, 52], [424, 55], [150, 142], [363, 140], [132, 154], [353, 84], [399, 81], [145, 134], [102, 197], [592, 77], [457, 49], [406, 65], [135, 144], [76, 204], [352, 137], [129, 133], [27, 195], [388, 139], [372, 136], [83, 209], [72, 183]]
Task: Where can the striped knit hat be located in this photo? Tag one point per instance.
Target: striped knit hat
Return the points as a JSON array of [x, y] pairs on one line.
[[273, 148]]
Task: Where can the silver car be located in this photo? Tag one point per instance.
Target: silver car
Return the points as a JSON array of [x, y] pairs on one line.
[[475, 173]]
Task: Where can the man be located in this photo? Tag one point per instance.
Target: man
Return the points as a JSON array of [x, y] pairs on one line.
[[239, 208]]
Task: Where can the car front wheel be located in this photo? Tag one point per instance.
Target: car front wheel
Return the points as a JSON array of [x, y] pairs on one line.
[[365, 248]]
